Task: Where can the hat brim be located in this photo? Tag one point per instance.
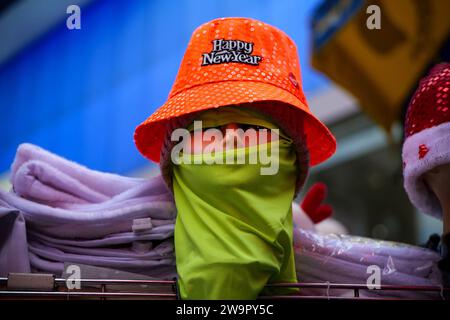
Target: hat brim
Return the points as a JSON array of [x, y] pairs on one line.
[[437, 141], [150, 134]]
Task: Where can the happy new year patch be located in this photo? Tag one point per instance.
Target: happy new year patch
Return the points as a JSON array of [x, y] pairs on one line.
[[226, 51]]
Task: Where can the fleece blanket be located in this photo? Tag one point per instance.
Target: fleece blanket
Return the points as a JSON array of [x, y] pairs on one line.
[[13, 241], [77, 215], [61, 198], [346, 259]]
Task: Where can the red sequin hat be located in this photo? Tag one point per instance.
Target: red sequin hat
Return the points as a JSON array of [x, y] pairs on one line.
[[427, 137]]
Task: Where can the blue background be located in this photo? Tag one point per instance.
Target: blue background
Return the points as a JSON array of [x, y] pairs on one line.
[[81, 93]]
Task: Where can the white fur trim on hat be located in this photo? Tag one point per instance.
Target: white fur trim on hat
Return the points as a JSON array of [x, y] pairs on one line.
[[437, 142]]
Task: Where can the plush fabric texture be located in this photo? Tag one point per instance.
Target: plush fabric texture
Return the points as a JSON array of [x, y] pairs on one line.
[[44, 238], [436, 140], [65, 212], [427, 137], [345, 259], [13, 241]]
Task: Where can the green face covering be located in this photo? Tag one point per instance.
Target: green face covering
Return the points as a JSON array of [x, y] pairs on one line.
[[233, 232]]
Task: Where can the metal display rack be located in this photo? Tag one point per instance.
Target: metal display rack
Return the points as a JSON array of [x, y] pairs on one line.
[[47, 286]]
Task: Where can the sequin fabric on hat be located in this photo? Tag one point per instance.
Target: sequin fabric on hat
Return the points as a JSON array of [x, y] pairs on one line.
[[430, 104], [256, 51], [231, 61]]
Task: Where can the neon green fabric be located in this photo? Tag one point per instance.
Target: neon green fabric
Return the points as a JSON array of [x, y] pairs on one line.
[[233, 232]]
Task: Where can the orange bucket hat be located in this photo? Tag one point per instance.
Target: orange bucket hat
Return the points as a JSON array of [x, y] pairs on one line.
[[231, 61]]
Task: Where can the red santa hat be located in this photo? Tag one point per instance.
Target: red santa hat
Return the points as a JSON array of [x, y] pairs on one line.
[[427, 137]]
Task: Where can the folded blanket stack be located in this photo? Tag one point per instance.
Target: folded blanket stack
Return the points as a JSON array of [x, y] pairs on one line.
[[77, 215], [348, 259], [60, 213]]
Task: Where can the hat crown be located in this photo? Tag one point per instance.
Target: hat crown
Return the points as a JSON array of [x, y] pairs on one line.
[[239, 49], [430, 104], [237, 61]]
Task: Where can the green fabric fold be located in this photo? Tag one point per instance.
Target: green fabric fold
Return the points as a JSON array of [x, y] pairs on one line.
[[233, 232]]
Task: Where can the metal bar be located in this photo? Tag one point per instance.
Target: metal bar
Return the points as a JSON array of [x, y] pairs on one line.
[[85, 294], [103, 290], [319, 285], [295, 297], [62, 281], [114, 281], [358, 286], [175, 288]]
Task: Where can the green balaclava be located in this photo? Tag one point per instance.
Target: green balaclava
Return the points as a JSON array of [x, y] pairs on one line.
[[233, 232]]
